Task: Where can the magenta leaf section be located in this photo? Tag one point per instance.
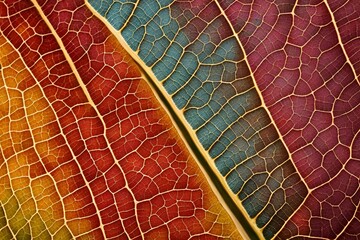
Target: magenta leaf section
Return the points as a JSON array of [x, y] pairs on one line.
[[305, 59]]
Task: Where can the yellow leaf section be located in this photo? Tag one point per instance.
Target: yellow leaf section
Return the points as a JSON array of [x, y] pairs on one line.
[[30, 201]]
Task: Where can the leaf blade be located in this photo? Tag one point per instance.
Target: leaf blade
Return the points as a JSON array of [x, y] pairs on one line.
[[101, 194], [277, 46]]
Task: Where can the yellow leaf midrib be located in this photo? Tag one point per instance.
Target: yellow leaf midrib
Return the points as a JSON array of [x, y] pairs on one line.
[[187, 134]]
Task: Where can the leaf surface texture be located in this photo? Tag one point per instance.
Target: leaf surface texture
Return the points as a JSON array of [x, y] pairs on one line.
[[179, 119]]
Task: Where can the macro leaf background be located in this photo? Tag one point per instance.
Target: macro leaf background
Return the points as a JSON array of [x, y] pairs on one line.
[[179, 119]]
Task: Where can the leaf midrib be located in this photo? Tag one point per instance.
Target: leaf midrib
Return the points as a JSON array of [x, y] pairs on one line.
[[227, 199]]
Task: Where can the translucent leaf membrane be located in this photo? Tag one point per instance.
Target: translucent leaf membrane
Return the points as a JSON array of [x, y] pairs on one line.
[[87, 150], [270, 92]]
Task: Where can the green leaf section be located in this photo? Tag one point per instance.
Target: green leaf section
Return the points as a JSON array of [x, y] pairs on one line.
[[192, 51]]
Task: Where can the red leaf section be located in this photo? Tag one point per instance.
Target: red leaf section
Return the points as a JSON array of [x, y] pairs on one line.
[[346, 15], [120, 167], [305, 59]]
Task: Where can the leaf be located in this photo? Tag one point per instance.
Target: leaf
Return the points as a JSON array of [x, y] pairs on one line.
[[270, 92], [235, 117], [87, 151]]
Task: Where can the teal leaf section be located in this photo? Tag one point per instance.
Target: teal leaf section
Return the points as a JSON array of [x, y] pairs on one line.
[[193, 52]]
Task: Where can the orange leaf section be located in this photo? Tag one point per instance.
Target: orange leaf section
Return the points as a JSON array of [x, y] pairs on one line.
[[86, 149]]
